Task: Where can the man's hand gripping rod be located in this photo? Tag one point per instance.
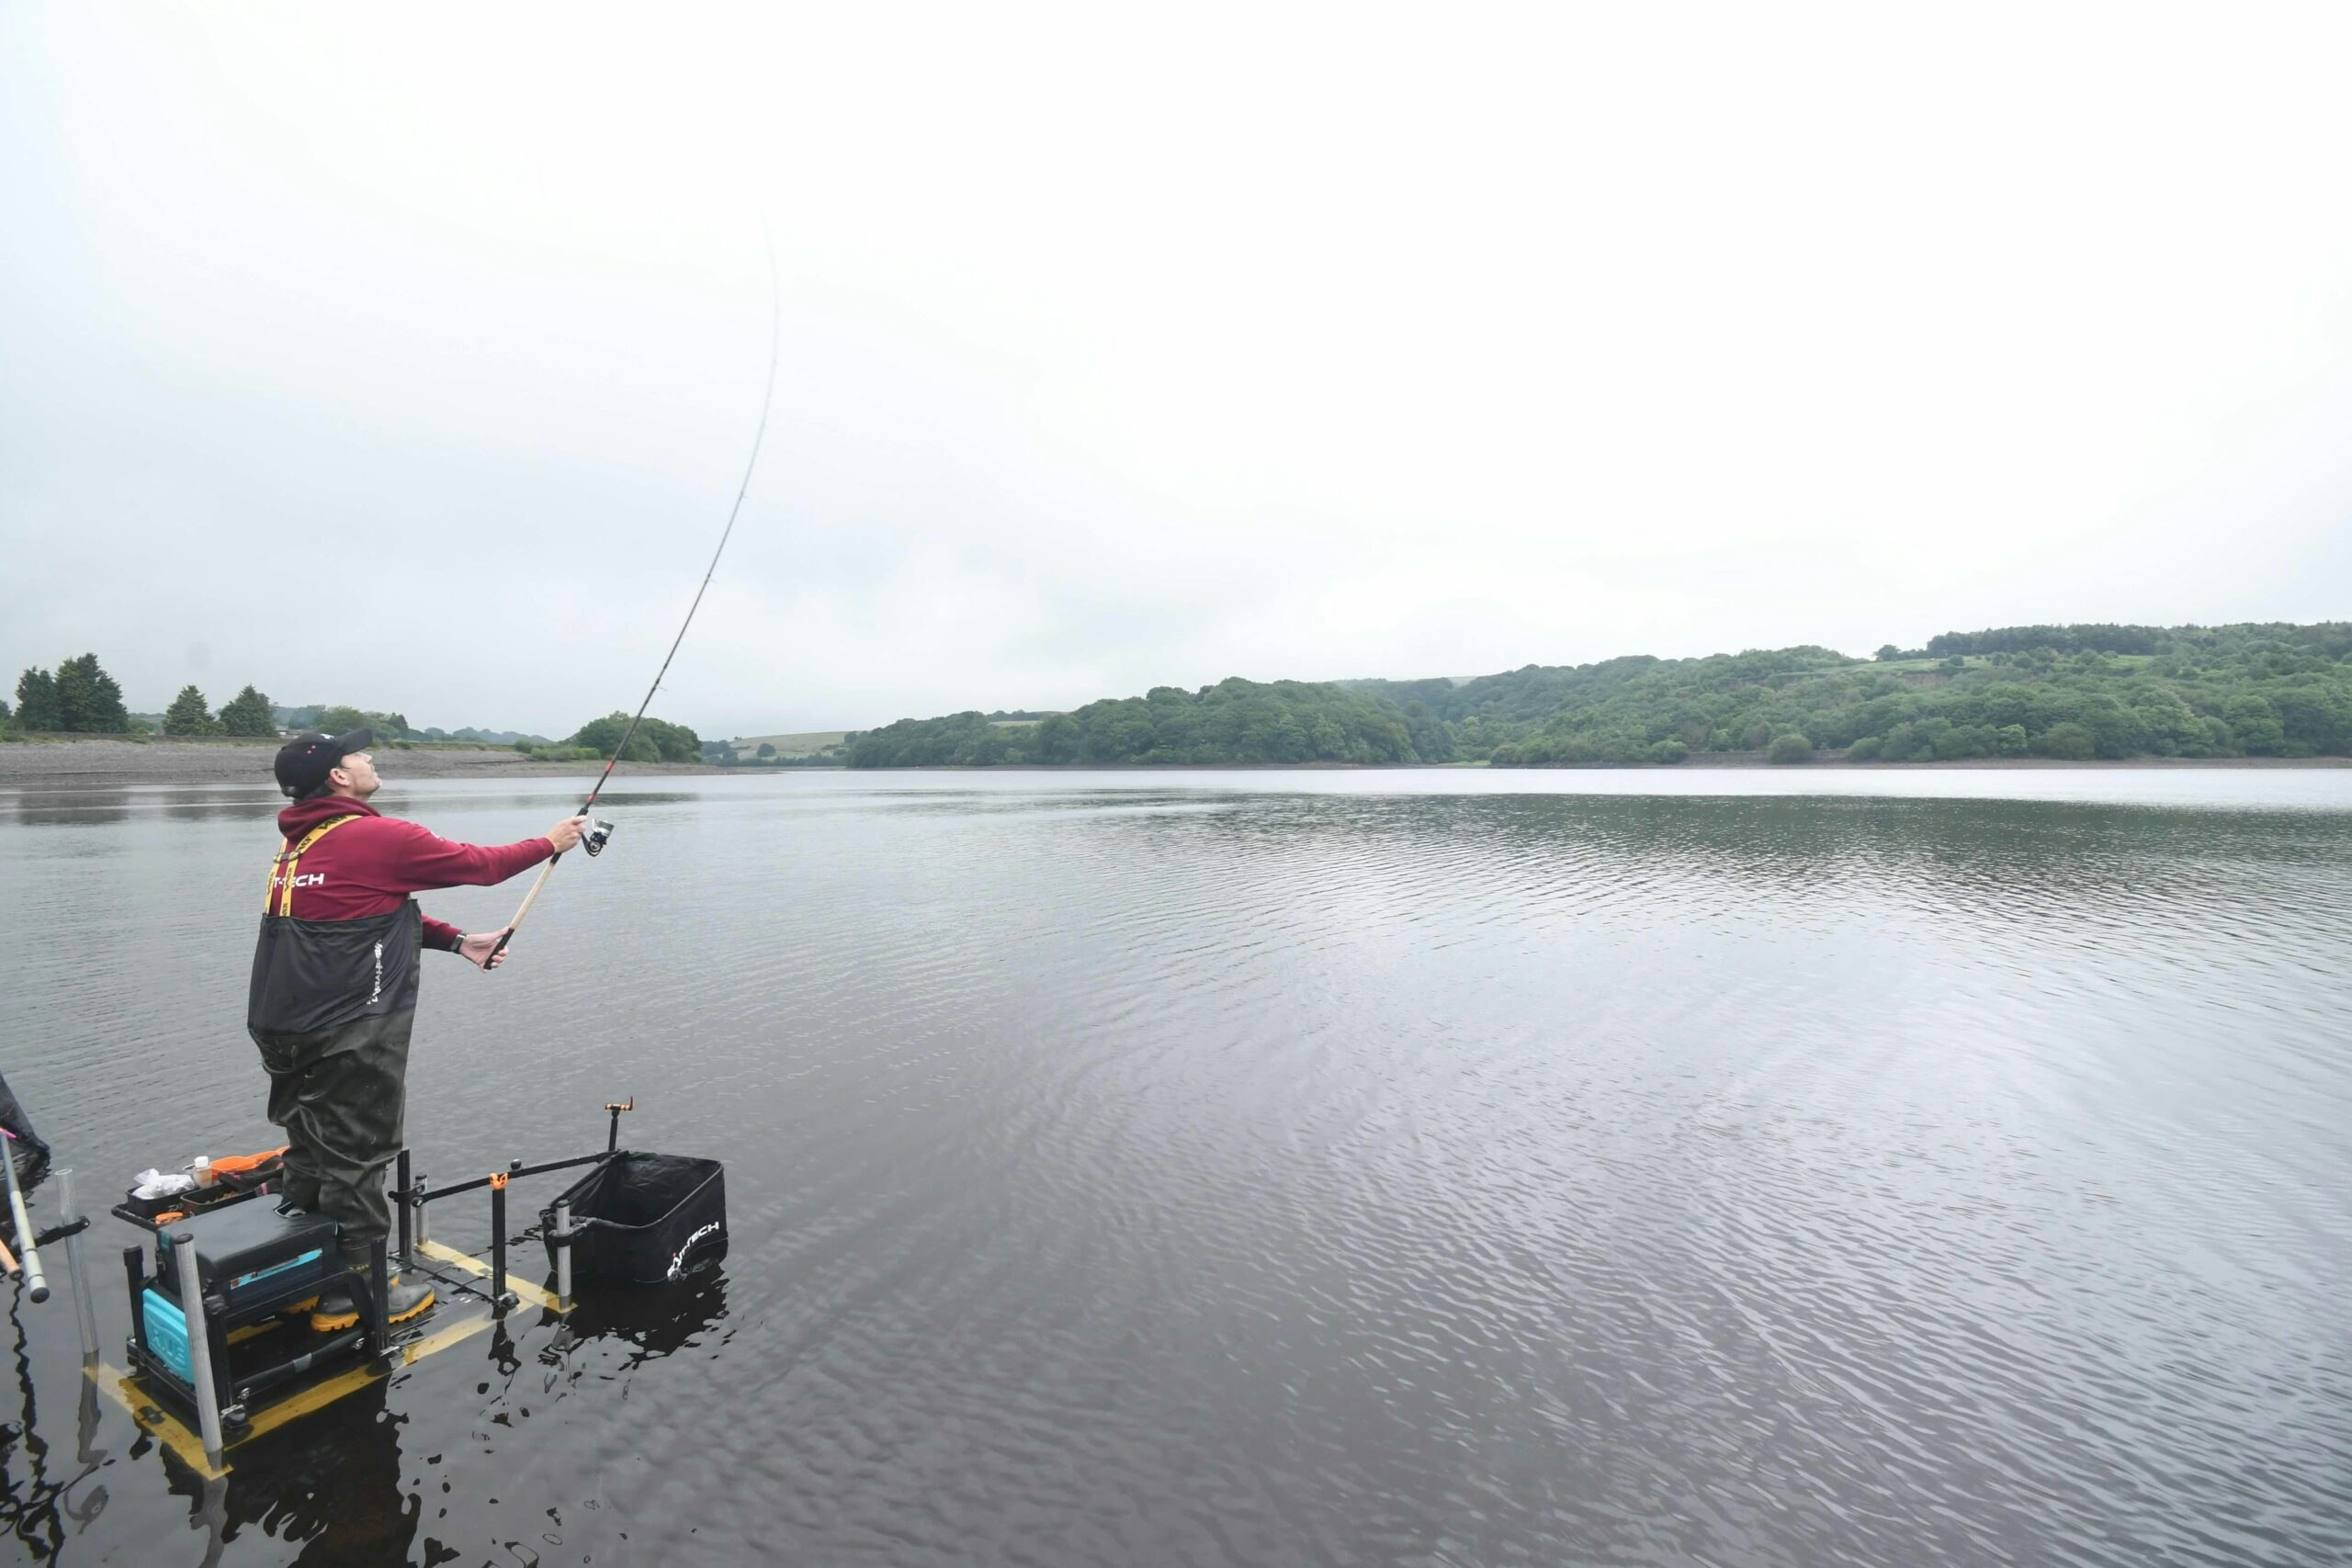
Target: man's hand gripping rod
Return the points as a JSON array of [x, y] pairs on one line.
[[775, 331]]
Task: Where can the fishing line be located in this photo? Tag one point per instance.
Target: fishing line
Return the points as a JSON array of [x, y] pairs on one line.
[[767, 400]]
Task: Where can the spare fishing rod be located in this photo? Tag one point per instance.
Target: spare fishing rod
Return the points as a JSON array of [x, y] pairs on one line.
[[28, 1243], [594, 841]]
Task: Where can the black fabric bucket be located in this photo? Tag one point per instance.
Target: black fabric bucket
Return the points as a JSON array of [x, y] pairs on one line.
[[639, 1219]]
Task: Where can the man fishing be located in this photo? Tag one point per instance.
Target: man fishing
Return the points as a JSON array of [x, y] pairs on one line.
[[334, 983]]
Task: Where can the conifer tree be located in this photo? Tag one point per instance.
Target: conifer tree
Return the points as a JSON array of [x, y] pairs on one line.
[[88, 700], [189, 716], [36, 701], [247, 713]]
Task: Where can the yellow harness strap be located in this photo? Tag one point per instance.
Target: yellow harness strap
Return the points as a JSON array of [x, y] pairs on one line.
[[277, 899]]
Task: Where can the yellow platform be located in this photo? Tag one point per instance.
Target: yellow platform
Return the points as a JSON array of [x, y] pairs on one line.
[[175, 1434]]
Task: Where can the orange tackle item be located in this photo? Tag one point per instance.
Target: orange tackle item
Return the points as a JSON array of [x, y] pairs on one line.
[[237, 1165]]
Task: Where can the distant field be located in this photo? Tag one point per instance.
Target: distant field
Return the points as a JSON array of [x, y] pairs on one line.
[[1924, 665], [804, 745]]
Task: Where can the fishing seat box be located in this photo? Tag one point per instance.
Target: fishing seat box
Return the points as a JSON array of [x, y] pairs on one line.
[[253, 1258], [639, 1219]]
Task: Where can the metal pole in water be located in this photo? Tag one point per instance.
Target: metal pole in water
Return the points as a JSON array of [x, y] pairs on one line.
[[401, 1197], [86, 1316], [199, 1345], [563, 1252], [499, 1295], [379, 1295]]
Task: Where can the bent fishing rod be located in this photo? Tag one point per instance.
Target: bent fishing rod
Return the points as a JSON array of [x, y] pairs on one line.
[[594, 840]]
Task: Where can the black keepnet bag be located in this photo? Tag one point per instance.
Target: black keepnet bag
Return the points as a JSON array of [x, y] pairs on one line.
[[639, 1219]]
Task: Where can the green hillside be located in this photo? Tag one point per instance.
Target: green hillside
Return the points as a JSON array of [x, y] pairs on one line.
[[1234, 721], [2075, 693]]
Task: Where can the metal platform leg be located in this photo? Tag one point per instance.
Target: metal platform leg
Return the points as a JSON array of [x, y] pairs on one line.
[[134, 1274], [563, 1253], [378, 1306], [405, 1215], [500, 1297], [199, 1346], [85, 1313]]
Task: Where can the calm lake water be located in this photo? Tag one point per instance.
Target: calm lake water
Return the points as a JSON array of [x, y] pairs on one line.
[[1381, 1167]]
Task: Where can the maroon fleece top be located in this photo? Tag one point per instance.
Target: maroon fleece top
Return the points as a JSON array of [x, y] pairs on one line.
[[366, 867]]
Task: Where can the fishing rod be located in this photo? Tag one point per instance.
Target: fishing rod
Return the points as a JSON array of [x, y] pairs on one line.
[[36, 1282], [594, 842]]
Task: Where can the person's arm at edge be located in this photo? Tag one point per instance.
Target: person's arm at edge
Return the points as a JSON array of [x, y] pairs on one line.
[[419, 861]]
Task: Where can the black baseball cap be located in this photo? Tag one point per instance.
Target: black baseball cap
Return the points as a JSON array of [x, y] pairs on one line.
[[304, 761]]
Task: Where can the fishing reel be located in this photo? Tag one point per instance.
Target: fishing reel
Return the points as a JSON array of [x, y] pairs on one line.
[[598, 835]]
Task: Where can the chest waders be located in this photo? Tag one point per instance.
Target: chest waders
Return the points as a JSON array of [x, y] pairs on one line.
[[330, 1008], [277, 899], [312, 977]]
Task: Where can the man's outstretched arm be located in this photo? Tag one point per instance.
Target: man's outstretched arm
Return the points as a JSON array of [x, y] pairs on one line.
[[417, 860]]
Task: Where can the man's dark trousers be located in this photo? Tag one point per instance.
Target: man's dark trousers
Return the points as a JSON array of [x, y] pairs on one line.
[[342, 1095]]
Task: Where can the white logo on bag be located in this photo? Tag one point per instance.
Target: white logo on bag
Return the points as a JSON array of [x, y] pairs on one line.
[[678, 1260], [378, 991]]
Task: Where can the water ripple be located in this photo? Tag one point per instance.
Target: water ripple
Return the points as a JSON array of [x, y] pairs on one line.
[[1190, 1170]]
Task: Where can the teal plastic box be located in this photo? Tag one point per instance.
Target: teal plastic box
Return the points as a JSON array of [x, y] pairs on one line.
[[167, 1335]]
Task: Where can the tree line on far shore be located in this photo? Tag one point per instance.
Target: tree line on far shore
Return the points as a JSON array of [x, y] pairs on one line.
[[2071, 693], [1233, 721], [655, 740], [78, 697], [2074, 692]]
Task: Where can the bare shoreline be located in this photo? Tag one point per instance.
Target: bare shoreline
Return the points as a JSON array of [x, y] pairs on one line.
[[117, 764]]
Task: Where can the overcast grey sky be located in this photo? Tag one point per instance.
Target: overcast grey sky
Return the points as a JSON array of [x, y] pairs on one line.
[[409, 357]]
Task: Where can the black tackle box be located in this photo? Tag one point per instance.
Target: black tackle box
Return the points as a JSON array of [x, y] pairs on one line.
[[253, 1256]]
